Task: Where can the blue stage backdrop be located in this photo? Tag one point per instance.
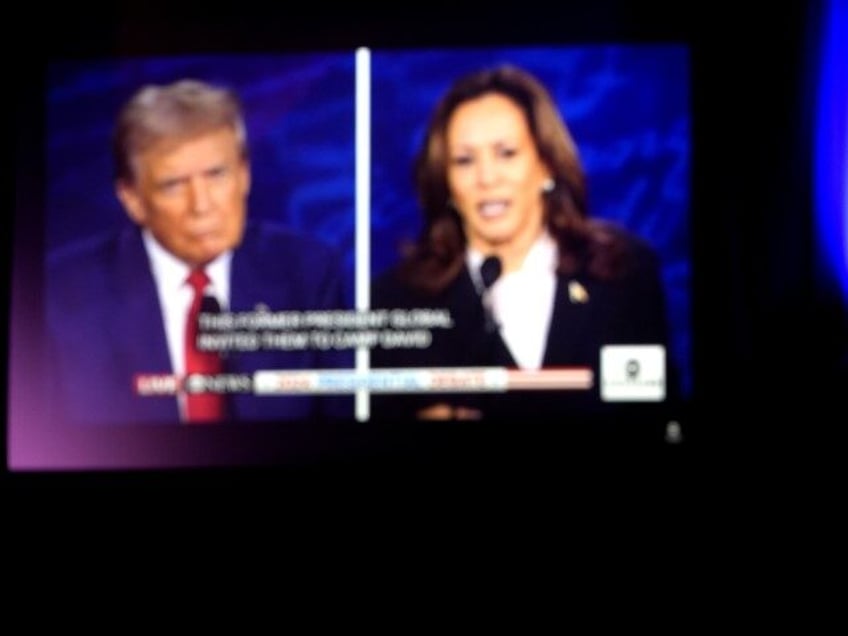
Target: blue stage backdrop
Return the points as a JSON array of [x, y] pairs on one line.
[[299, 112], [628, 108]]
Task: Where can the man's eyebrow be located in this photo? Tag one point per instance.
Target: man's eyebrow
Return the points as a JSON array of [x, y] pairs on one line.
[[171, 179]]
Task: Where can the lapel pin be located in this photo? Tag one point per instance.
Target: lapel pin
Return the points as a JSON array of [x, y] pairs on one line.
[[577, 293]]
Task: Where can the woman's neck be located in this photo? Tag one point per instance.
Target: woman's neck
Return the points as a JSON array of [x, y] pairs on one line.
[[512, 253]]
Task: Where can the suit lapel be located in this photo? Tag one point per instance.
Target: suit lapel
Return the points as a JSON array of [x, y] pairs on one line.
[[570, 322], [137, 331], [256, 281], [571, 313], [247, 278], [473, 344], [251, 290]]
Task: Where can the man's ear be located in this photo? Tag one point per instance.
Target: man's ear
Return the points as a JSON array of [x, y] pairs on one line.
[[131, 201]]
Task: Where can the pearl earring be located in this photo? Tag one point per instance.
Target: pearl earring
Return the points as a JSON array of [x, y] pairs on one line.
[[548, 185]]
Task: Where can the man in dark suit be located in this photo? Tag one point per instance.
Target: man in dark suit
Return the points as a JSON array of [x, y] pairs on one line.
[[123, 305]]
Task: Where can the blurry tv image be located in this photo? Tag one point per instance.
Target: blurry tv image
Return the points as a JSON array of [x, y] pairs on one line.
[[332, 176], [627, 115], [263, 203]]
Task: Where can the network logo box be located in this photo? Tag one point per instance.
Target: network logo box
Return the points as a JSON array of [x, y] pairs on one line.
[[633, 373]]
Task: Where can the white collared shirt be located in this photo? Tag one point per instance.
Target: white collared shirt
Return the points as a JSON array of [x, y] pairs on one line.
[[176, 294], [523, 300]]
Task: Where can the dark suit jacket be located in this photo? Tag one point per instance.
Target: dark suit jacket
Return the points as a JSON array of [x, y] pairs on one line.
[[105, 325], [630, 310]]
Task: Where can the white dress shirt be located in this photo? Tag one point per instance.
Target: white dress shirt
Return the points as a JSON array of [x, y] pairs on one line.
[[176, 294], [523, 300]]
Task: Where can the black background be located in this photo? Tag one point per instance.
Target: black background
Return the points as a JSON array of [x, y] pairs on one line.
[[768, 338]]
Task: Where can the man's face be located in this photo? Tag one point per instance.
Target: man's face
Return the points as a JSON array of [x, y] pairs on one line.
[[192, 195]]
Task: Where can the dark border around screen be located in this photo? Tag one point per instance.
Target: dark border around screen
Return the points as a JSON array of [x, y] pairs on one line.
[[759, 329]]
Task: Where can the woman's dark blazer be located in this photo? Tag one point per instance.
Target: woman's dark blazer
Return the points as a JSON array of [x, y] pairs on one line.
[[629, 310]]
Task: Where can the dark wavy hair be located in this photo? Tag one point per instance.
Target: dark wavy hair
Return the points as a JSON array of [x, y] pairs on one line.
[[585, 245]]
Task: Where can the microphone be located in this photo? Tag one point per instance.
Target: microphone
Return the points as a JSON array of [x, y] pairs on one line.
[[490, 271]]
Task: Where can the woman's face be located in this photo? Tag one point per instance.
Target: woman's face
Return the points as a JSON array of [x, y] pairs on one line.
[[495, 174]]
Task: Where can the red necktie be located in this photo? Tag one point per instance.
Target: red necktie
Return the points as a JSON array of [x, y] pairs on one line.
[[200, 407]]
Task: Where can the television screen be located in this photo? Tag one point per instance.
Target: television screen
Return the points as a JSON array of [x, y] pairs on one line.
[[267, 251]]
